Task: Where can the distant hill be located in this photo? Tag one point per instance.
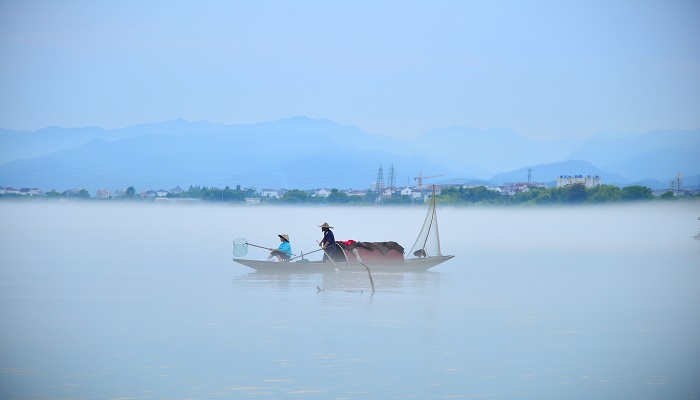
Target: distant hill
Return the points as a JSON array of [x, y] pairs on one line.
[[293, 153], [609, 150], [304, 153], [24, 145], [660, 164], [484, 152]]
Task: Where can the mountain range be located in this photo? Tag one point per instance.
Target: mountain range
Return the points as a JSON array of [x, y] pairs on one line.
[[303, 153]]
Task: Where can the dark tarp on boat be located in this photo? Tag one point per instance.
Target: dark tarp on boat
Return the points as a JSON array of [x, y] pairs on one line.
[[372, 252]]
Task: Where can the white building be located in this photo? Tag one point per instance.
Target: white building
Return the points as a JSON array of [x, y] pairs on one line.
[[252, 200], [323, 193], [270, 193], [588, 181], [103, 193], [412, 192], [387, 193]]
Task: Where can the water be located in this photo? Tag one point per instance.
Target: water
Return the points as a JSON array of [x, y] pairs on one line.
[[113, 301]]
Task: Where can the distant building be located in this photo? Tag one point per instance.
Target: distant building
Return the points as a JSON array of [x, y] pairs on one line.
[[511, 188], [252, 200], [387, 193], [588, 181], [322, 193], [72, 192], [416, 193], [428, 194], [676, 185], [270, 193], [30, 192], [103, 193]]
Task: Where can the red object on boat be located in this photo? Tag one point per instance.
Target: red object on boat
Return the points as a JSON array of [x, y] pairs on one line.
[[372, 252]]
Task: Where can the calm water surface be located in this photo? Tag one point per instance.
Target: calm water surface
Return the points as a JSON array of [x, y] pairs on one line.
[[106, 301]]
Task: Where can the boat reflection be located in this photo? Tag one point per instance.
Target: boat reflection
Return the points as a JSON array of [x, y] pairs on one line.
[[349, 281]]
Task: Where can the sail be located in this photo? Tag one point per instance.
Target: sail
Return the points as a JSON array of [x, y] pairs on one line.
[[428, 242]]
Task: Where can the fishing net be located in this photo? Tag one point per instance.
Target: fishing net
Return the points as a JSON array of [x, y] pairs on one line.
[[428, 242], [240, 247]]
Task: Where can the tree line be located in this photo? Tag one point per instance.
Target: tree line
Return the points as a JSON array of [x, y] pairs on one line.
[[570, 194]]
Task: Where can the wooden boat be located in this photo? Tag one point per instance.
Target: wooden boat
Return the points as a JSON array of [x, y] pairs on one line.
[[408, 265], [373, 256]]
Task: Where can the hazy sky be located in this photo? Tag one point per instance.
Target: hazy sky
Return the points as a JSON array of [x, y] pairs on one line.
[[544, 68]]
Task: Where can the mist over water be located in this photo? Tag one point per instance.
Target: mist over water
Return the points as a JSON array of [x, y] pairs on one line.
[[115, 300]]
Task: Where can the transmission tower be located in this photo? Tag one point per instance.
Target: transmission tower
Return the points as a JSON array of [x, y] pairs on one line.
[[392, 179], [529, 175], [380, 182]]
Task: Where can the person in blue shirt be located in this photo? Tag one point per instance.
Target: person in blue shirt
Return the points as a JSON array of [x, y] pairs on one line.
[[328, 242], [284, 251]]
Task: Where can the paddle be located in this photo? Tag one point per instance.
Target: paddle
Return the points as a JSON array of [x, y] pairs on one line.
[[359, 259], [328, 256], [302, 254]]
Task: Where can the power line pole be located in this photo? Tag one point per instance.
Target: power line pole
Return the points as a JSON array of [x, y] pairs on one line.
[[380, 183], [392, 179]]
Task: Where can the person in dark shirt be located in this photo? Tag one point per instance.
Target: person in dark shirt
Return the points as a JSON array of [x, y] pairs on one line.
[[328, 242]]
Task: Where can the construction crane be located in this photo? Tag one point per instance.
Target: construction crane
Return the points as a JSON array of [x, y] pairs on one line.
[[420, 178]]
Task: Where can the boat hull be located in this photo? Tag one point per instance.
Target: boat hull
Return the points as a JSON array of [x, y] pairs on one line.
[[408, 265]]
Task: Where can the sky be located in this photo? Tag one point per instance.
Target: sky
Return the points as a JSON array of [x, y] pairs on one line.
[[546, 69]]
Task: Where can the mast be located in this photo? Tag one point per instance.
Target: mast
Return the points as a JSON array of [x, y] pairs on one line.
[[428, 240], [437, 232]]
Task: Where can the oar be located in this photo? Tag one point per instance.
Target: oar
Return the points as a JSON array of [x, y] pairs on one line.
[[302, 255], [329, 256], [359, 259]]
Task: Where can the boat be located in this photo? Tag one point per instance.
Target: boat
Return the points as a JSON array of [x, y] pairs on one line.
[[408, 265], [368, 256]]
